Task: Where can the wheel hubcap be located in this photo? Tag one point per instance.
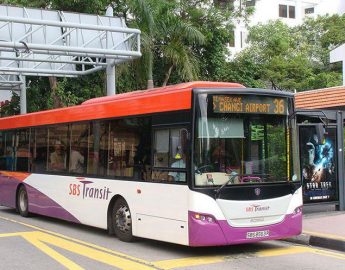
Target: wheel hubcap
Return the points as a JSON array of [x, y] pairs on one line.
[[23, 201], [123, 219]]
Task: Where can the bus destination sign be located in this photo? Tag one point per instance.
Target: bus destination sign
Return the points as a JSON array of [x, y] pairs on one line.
[[249, 104]]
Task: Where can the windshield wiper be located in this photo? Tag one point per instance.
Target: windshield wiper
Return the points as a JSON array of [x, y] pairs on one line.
[[218, 190]]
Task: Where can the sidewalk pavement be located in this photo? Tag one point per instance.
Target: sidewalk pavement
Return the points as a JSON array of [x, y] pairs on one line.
[[323, 229]]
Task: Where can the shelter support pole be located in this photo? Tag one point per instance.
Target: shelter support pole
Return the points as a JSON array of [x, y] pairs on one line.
[[22, 94], [111, 87], [343, 62], [341, 173]]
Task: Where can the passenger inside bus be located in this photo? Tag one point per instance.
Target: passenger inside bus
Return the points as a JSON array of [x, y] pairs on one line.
[[180, 163], [58, 157], [76, 160], [9, 159]]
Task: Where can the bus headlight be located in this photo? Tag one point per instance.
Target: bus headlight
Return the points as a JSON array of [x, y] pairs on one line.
[[298, 210], [204, 218]]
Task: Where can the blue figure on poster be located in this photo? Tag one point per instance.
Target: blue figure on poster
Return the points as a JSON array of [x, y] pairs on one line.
[[318, 165]]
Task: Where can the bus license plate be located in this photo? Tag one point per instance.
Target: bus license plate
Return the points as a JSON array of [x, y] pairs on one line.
[[258, 234]]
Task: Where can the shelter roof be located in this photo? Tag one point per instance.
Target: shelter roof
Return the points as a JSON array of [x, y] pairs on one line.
[[321, 98]]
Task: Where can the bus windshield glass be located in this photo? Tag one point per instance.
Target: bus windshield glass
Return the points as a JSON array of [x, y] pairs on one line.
[[242, 139]]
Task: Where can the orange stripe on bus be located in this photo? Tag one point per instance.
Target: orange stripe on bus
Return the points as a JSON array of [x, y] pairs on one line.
[[165, 99], [21, 176]]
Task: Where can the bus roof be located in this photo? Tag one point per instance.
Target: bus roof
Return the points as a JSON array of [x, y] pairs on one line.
[[163, 99], [159, 90]]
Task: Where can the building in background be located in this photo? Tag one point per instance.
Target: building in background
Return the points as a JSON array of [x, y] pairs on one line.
[[291, 12]]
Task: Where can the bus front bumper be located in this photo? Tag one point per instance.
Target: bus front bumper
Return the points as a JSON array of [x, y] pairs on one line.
[[208, 231]]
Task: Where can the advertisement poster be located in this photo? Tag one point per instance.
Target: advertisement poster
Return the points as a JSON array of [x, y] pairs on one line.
[[318, 164]]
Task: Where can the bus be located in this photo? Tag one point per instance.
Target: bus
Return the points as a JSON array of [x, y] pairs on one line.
[[197, 164]]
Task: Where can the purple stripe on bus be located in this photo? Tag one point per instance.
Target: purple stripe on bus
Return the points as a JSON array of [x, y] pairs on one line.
[[40, 203], [220, 233], [8, 190]]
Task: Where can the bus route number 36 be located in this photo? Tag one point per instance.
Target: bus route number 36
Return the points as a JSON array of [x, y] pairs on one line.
[[279, 107]]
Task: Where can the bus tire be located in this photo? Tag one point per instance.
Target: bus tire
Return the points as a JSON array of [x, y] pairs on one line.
[[122, 220], [23, 202]]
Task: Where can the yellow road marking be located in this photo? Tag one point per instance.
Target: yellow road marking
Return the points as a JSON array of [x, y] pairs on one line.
[[299, 249], [327, 253], [283, 251], [78, 241], [31, 238], [332, 236], [185, 262], [103, 257], [10, 234], [42, 237]]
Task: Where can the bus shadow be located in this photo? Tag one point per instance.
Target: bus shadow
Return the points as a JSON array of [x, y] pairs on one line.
[[149, 246]]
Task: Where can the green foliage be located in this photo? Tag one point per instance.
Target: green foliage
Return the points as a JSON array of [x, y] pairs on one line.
[[83, 6], [26, 3], [185, 40], [292, 59], [38, 94], [12, 107], [244, 70]]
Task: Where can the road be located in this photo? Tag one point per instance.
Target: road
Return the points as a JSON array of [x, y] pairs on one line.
[[41, 243]]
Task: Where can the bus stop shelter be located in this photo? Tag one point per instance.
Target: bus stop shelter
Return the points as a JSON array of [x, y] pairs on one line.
[[322, 162], [37, 42]]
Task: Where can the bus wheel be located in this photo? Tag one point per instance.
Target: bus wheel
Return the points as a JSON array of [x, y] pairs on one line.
[[23, 202], [122, 220]]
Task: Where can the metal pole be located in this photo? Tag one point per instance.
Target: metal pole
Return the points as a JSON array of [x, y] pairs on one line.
[[340, 143], [22, 94], [111, 82], [111, 89], [69, 50], [343, 63], [7, 19]]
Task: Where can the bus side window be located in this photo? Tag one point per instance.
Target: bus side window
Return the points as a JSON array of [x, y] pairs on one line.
[[78, 148], [23, 154], [98, 148], [57, 151], [39, 146], [170, 154], [2, 151], [161, 149], [9, 151], [129, 148]]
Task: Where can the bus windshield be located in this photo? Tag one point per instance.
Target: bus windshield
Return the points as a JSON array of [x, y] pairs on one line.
[[242, 139]]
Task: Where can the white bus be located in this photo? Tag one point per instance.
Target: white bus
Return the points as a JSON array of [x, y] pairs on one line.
[[198, 164]]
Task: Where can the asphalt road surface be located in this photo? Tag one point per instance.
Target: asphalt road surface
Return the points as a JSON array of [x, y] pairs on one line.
[[41, 243]]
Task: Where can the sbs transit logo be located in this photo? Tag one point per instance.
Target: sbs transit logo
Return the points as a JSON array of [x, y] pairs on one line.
[[257, 208], [85, 190]]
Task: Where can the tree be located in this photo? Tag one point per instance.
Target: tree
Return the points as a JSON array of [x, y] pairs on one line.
[[139, 14], [181, 41], [175, 36], [285, 58], [8, 108]]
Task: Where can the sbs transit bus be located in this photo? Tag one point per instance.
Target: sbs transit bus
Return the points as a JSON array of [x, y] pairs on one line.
[[198, 164]]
